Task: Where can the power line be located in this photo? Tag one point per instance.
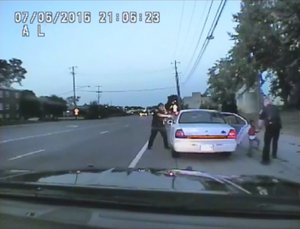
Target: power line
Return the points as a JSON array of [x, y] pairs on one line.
[[133, 90], [219, 16], [66, 92], [155, 71], [201, 33], [189, 26], [202, 16], [208, 38], [215, 23], [179, 31], [69, 91]]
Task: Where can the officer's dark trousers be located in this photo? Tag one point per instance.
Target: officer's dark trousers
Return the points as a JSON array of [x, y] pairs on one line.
[[271, 135], [163, 133]]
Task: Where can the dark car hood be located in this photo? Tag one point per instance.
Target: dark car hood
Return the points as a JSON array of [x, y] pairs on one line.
[[170, 180]]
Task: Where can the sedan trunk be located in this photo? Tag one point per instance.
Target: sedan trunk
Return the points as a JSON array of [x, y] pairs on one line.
[[205, 129]]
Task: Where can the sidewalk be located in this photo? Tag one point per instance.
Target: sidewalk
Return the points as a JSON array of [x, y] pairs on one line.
[[291, 123], [288, 149], [289, 140]]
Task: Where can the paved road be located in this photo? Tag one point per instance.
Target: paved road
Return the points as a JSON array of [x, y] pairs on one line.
[[115, 142]]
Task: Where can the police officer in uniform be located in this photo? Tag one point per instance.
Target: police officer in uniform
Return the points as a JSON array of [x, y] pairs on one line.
[[174, 108], [270, 117], [158, 125]]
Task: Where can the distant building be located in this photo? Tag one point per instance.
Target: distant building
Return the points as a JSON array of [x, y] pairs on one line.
[[208, 103], [197, 101], [248, 100], [9, 103], [194, 101]]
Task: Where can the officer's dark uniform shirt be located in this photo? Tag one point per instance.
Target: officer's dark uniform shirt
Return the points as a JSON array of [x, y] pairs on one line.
[[270, 115], [157, 121]]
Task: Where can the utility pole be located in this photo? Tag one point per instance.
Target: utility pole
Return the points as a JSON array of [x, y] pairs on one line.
[[74, 87], [177, 86], [98, 92]]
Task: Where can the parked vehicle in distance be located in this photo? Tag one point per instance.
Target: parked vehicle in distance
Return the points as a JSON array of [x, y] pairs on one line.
[[144, 113]]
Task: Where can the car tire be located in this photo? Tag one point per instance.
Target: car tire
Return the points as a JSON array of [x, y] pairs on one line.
[[175, 154]]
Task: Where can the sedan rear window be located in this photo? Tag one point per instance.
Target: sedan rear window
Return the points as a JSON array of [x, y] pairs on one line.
[[201, 117]]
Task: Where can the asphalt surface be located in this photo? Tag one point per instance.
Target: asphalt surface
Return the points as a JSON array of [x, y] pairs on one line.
[[117, 142]]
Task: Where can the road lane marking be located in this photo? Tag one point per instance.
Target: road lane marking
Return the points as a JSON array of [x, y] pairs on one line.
[[72, 126], [126, 126], [53, 133], [19, 170], [104, 132], [26, 154], [33, 136], [138, 156]]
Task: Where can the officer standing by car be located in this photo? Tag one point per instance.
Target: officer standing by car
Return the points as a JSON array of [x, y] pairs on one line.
[[158, 125], [270, 117], [174, 108]]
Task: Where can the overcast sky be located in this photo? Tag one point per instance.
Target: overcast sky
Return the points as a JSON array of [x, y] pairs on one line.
[[118, 56]]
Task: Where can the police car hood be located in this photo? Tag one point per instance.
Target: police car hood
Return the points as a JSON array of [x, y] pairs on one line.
[[166, 180]]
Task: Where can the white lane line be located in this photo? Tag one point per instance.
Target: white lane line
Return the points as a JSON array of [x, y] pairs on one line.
[[34, 136], [104, 132], [72, 126], [26, 154], [19, 170], [138, 156]]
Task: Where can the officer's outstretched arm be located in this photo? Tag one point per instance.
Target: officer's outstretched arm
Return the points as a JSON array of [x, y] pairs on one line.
[[164, 115]]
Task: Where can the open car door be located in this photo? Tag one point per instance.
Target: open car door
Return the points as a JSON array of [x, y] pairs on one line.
[[170, 128], [239, 123]]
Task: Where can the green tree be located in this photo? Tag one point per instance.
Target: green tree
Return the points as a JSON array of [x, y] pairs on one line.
[[93, 110], [268, 35], [11, 72], [286, 17], [53, 106], [224, 79], [29, 105], [266, 40], [70, 100]]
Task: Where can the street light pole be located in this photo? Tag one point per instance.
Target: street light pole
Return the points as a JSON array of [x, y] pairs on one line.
[[177, 86], [98, 92], [74, 86]]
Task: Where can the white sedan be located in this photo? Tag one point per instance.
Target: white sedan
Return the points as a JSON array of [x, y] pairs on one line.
[[205, 131]]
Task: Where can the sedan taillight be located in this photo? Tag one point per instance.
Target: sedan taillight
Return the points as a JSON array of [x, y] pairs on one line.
[[232, 134], [179, 134]]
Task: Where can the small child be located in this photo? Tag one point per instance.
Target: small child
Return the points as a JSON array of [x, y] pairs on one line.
[[252, 138]]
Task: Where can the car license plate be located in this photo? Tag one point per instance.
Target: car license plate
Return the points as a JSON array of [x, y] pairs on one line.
[[207, 148]]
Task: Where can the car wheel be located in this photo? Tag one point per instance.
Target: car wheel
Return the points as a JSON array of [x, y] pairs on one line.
[[175, 154]]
